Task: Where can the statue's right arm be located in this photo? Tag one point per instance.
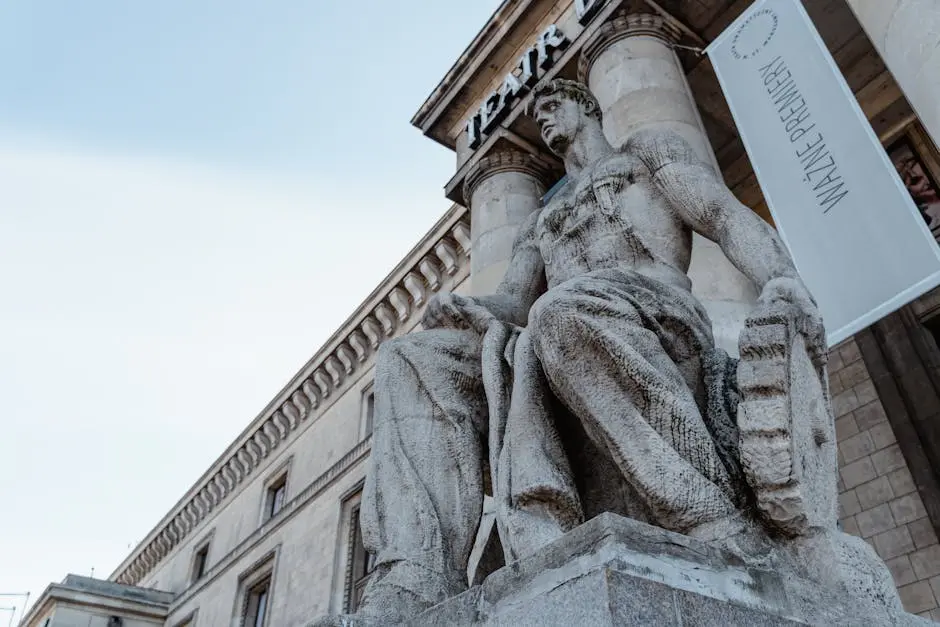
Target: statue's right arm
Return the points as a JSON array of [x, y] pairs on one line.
[[522, 284], [524, 280]]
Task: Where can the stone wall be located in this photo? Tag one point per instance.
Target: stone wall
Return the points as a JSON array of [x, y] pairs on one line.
[[302, 544], [878, 499]]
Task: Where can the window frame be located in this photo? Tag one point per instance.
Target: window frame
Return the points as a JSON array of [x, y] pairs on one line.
[[275, 497], [203, 547], [353, 582], [257, 601], [367, 411], [263, 571], [913, 135], [277, 478]]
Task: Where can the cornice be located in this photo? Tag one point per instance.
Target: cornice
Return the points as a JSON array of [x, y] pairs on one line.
[[66, 594], [468, 64], [440, 258], [506, 161], [621, 26]]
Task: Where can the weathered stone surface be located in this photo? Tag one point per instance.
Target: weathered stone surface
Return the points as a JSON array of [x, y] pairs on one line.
[[616, 571], [631, 66], [592, 379]]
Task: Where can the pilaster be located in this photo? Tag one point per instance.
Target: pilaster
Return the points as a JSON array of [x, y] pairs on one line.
[[503, 189], [906, 33], [632, 68]]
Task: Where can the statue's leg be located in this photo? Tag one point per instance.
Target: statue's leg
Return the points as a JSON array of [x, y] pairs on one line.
[[609, 346], [423, 495]]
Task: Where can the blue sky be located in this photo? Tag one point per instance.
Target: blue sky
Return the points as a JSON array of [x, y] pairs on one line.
[[193, 196]]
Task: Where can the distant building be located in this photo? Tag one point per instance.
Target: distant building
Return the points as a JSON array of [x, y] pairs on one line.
[[269, 534]]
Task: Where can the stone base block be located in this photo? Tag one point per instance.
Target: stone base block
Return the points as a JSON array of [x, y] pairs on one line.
[[616, 571]]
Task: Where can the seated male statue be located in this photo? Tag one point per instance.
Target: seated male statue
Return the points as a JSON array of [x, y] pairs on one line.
[[598, 281]]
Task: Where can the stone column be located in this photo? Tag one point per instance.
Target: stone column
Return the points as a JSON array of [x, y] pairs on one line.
[[907, 35], [502, 189], [631, 67]]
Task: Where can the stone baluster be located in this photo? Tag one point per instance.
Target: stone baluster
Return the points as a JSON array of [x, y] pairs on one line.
[[447, 254], [632, 68], [360, 344], [502, 189]]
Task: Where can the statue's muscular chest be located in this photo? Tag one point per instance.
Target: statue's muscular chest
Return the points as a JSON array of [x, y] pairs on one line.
[[600, 219]]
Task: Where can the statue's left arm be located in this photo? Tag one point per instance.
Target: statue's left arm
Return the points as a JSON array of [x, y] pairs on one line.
[[698, 194]]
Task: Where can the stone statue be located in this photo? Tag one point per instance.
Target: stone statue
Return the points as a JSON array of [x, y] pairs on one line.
[[594, 332]]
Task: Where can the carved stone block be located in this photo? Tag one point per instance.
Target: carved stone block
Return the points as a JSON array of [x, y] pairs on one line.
[[788, 443], [617, 571]]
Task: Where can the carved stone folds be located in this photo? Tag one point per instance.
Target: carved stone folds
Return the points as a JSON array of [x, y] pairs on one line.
[[788, 441], [323, 377]]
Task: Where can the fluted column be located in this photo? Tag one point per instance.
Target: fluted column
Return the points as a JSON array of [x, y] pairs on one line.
[[502, 189], [631, 67], [907, 35]]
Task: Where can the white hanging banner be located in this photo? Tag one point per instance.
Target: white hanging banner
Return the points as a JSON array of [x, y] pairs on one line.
[[856, 237]]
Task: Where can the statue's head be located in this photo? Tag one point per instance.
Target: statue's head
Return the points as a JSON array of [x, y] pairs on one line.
[[562, 109]]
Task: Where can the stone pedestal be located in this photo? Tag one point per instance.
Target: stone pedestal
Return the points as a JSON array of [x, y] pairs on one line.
[[503, 189], [616, 571], [630, 66]]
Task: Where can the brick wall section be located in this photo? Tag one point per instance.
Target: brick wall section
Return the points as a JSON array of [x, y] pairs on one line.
[[878, 500]]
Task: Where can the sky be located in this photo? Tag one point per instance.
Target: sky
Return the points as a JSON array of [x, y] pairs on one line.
[[193, 196]]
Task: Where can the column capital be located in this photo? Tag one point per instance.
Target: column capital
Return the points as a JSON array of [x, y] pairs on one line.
[[506, 161], [621, 26]]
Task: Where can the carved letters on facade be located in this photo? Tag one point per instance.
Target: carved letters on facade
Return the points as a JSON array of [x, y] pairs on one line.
[[527, 72]]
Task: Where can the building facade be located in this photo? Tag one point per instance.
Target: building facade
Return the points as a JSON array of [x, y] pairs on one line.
[[269, 534]]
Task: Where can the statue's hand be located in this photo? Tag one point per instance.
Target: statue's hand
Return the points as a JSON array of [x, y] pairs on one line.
[[789, 296], [451, 311]]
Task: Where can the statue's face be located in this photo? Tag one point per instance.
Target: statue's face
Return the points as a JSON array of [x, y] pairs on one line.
[[559, 119]]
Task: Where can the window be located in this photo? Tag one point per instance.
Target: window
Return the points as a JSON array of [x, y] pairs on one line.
[[189, 620], [255, 587], [360, 563], [916, 176], [275, 497], [256, 603], [368, 411], [200, 563]]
